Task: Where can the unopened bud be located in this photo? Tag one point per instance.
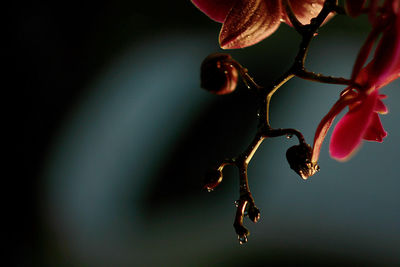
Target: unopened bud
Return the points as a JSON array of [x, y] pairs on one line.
[[218, 75], [213, 179], [299, 158]]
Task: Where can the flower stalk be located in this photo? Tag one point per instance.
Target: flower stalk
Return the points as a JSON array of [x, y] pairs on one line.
[[261, 19], [246, 204]]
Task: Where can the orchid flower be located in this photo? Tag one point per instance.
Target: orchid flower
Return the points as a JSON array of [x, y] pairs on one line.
[[247, 22], [364, 101]]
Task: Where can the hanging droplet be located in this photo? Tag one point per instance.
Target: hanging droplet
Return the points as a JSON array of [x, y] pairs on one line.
[[242, 239], [288, 136], [210, 190], [236, 203]]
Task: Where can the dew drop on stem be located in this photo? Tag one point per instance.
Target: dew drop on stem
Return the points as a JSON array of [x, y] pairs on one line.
[[242, 239]]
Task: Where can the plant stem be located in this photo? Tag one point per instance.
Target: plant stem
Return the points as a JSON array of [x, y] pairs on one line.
[[269, 93], [317, 77], [245, 204]]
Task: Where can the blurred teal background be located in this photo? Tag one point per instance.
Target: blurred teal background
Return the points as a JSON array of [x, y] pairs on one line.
[[119, 134]]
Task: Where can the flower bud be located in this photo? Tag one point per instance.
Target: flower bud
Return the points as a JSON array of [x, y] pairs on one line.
[[299, 158], [218, 75]]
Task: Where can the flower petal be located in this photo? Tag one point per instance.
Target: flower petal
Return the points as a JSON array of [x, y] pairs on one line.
[[363, 56], [305, 10], [396, 6], [346, 99], [375, 131], [380, 107], [249, 22], [385, 66], [373, 10], [215, 9], [349, 131]]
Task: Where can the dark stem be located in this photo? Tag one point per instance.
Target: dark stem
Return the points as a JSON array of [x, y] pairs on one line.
[[267, 95], [245, 204], [308, 33], [317, 77]]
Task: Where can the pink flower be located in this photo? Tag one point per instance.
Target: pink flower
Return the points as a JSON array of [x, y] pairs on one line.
[[362, 120], [247, 22]]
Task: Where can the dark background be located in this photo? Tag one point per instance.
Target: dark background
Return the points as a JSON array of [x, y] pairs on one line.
[[55, 50], [116, 137]]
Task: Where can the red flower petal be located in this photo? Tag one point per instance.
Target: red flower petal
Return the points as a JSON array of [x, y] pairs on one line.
[[375, 131], [363, 55], [349, 131], [380, 107], [346, 99], [215, 9], [354, 7], [386, 61], [385, 65], [373, 10], [249, 22], [396, 6]]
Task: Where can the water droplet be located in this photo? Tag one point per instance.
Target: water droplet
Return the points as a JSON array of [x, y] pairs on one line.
[[236, 203], [315, 34], [210, 190], [288, 136], [242, 239]]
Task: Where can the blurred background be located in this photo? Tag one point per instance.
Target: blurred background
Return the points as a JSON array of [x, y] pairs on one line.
[[117, 136]]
